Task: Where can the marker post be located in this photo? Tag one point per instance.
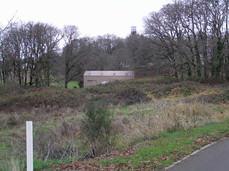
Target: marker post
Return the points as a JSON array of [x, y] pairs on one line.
[[29, 145]]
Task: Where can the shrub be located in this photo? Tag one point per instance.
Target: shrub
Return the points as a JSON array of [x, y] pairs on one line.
[[12, 121], [11, 88], [167, 80], [222, 97], [80, 84], [131, 96], [96, 126], [184, 90], [162, 91]]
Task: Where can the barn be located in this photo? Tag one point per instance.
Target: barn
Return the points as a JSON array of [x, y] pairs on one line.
[[100, 77]]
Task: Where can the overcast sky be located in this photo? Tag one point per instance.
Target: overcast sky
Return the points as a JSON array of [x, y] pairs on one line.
[[92, 17]]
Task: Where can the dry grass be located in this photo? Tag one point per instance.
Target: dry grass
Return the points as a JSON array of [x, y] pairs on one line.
[[56, 125], [14, 164], [55, 133], [164, 116], [18, 118]]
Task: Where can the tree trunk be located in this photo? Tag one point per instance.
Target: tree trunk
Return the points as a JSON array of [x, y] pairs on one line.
[[189, 71], [66, 84]]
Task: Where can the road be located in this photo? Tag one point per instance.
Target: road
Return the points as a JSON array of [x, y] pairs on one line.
[[212, 158]]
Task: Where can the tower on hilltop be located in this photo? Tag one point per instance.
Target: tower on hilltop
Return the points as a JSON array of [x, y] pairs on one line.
[[133, 30]]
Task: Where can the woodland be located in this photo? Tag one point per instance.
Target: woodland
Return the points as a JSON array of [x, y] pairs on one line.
[[185, 39]]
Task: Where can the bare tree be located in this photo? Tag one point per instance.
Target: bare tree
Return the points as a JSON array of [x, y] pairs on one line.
[[192, 33], [158, 29], [105, 49], [3, 70], [140, 51], [27, 51], [226, 11], [43, 42], [70, 33], [74, 53]]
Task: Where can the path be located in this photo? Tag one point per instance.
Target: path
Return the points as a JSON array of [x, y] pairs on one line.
[[212, 158]]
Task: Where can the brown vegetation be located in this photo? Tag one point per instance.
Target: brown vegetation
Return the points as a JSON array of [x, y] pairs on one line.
[[156, 106]]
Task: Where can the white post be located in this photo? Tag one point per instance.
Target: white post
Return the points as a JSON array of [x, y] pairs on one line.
[[29, 145]]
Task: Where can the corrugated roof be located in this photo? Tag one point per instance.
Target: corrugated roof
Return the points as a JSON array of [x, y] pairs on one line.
[[109, 73]]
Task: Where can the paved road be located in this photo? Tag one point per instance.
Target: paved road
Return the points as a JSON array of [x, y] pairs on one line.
[[213, 158]]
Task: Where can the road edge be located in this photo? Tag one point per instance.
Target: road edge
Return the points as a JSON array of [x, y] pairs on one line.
[[193, 153]]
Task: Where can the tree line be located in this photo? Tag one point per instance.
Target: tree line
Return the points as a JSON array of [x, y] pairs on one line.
[[27, 51], [192, 35], [185, 39], [31, 54]]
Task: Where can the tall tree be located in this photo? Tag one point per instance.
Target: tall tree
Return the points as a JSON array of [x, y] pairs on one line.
[[27, 51], [192, 33], [140, 51], [70, 35], [75, 54]]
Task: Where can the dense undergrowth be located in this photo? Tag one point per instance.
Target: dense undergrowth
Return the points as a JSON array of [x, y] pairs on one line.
[[140, 109], [122, 93]]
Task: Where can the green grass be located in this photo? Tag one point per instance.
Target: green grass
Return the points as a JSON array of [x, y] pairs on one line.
[[220, 109], [4, 148], [40, 165], [71, 84], [13, 164], [170, 147], [147, 108]]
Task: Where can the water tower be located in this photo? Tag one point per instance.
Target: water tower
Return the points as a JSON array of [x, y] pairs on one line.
[[133, 30]]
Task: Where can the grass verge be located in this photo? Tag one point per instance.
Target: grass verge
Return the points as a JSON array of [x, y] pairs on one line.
[[41, 165], [16, 164], [170, 147]]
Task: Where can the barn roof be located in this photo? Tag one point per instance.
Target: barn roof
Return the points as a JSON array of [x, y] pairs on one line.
[[109, 73]]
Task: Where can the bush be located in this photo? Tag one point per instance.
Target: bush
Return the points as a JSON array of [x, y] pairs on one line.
[[80, 84], [96, 126], [12, 121], [132, 96], [178, 89], [222, 97], [184, 90], [162, 91]]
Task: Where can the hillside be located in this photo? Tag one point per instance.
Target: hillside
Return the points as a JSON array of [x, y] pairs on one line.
[[16, 98], [142, 110]]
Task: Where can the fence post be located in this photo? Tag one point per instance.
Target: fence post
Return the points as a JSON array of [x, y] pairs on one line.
[[29, 145]]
